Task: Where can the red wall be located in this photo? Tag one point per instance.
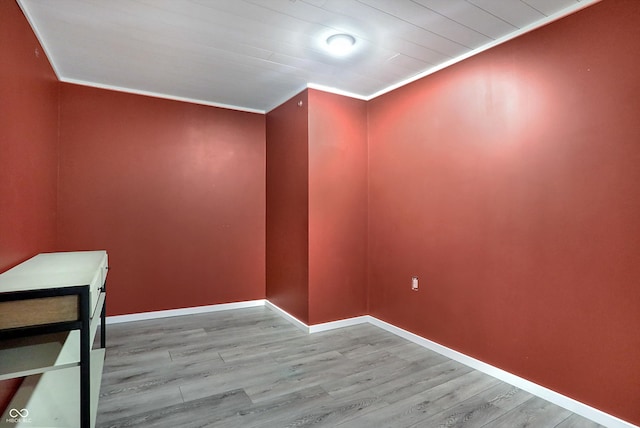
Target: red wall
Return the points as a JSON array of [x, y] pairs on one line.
[[337, 207], [317, 207], [28, 144], [287, 250], [509, 184], [28, 141], [173, 191]]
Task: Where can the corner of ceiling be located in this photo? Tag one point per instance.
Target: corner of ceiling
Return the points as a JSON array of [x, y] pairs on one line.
[[579, 5], [27, 15], [287, 97]]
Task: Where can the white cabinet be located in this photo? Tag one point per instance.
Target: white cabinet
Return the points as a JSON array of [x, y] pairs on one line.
[[50, 309]]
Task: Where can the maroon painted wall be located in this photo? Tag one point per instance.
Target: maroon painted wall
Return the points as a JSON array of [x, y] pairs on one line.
[[509, 184], [337, 207], [287, 252], [28, 145], [28, 141], [174, 192]]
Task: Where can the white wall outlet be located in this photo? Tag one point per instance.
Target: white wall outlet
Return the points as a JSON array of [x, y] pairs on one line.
[[414, 283]]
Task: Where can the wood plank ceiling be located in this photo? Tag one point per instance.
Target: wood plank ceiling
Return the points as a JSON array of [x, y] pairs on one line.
[[254, 54]]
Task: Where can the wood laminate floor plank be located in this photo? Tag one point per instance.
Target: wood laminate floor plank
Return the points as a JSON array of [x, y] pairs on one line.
[[413, 410], [195, 413], [577, 421], [250, 368], [479, 409], [533, 412], [286, 410], [403, 387]]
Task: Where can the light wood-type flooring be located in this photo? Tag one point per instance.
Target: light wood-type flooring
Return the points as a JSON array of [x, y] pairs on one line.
[[250, 368]]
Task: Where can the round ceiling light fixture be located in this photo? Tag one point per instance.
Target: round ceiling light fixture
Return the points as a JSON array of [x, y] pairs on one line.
[[341, 44]]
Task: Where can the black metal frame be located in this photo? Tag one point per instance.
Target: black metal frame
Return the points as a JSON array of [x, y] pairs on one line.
[[82, 324]]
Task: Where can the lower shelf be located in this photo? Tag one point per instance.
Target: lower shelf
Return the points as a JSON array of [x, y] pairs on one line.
[[33, 355], [52, 399]]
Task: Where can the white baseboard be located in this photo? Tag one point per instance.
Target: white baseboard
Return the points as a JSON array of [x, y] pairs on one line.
[[568, 403], [286, 315], [183, 311], [316, 328]]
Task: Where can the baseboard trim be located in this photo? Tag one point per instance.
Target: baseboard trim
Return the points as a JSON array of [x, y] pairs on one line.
[[142, 316], [286, 315], [568, 403], [554, 397], [317, 328]]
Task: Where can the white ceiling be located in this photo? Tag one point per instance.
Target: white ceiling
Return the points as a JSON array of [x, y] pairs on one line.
[[254, 54]]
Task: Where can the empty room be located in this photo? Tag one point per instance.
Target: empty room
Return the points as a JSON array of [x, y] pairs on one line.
[[320, 213]]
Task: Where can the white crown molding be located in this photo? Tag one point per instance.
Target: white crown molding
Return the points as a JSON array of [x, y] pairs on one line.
[[336, 91], [159, 95], [545, 21], [538, 24]]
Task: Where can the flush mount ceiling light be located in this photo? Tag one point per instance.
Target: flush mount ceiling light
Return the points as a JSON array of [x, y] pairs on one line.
[[340, 44]]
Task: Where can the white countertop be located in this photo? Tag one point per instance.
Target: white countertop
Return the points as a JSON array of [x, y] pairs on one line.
[[53, 270]]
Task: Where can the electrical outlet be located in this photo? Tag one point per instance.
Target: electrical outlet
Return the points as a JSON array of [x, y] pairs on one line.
[[414, 283]]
